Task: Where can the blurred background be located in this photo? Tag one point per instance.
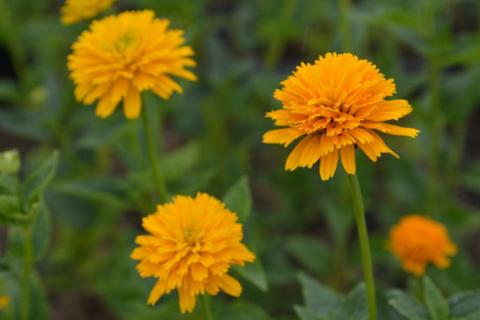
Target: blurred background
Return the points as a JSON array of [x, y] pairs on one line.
[[212, 136]]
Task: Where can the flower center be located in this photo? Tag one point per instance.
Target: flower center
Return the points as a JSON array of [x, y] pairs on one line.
[[125, 41]]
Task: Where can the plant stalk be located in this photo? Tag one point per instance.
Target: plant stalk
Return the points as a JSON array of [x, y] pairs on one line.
[[364, 245], [27, 271], [206, 306], [158, 179]]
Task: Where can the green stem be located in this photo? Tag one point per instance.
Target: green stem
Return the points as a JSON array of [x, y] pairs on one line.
[[364, 245], [346, 40], [207, 310], [153, 158], [27, 270]]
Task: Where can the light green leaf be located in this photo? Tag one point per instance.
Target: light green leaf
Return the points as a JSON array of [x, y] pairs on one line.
[[319, 300], [239, 199], [436, 304], [40, 178], [406, 306]]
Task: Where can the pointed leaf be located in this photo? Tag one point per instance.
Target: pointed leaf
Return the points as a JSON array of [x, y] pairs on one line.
[[239, 199], [465, 304], [406, 306], [319, 299], [40, 178], [254, 273], [436, 304], [354, 307]]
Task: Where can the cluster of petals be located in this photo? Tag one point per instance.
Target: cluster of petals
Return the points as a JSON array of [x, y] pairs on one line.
[[418, 241], [190, 246], [334, 105], [121, 56], [74, 11]]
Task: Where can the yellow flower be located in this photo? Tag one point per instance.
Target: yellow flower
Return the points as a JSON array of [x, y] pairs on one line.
[[335, 104], [192, 243], [417, 241], [4, 302], [121, 56], [74, 11]]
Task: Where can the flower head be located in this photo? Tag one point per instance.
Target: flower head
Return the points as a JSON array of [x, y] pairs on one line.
[[192, 243], [333, 105], [4, 302], [74, 11], [121, 56], [417, 241]]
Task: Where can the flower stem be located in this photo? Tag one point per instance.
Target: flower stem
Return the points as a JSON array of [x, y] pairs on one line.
[[364, 245], [27, 270], [207, 310], [153, 158]]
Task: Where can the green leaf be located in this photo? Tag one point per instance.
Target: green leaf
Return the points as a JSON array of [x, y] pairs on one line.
[[241, 310], [436, 304], [9, 162], [354, 307], [309, 251], [41, 228], [254, 273], [471, 316], [319, 300], [179, 162], [239, 199], [305, 314], [406, 306], [465, 304], [40, 178], [10, 210], [9, 205], [39, 309]]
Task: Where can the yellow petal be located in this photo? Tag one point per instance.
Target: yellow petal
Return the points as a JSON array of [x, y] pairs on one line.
[[328, 165], [392, 129], [132, 104], [282, 136], [230, 286], [157, 292], [390, 110], [187, 301], [347, 154]]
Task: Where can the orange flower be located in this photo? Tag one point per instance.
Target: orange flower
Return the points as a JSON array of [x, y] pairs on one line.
[[121, 56], [418, 240], [335, 104], [191, 245]]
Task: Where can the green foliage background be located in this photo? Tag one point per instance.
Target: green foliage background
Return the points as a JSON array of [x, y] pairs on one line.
[[212, 138]]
